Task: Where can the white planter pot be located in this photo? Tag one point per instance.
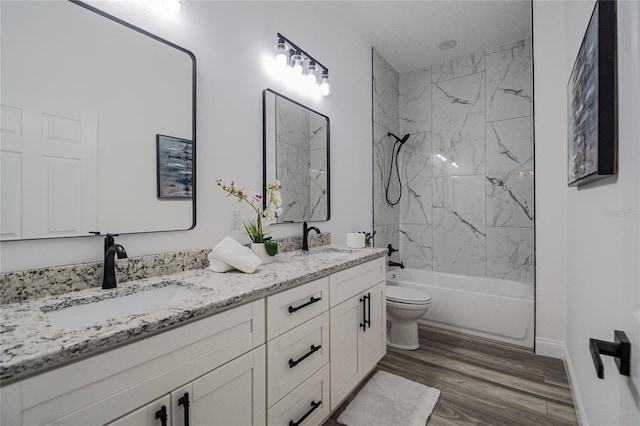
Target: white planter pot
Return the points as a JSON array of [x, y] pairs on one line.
[[261, 252]]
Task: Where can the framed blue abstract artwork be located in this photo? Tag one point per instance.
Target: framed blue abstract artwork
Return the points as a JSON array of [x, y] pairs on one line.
[[174, 167], [592, 100]]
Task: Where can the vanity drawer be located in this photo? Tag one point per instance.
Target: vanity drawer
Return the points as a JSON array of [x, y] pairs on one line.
[[352, 281], [292, 307], [296, 355], [314, 392]]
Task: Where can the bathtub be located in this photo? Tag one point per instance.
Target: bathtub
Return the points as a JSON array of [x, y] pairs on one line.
[[486, 307]]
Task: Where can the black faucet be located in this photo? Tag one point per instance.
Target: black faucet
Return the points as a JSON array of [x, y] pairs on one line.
[[305, 235], [390, 250], [392, 263], [111, 249]]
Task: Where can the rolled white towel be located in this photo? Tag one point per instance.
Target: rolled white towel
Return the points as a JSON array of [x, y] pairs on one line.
[[218, 265], [235, 254]]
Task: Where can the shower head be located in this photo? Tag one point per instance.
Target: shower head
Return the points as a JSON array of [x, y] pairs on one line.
[[403, 140]]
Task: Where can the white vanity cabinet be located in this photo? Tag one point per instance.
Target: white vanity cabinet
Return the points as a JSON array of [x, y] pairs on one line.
[[358, 326], [155, 413], [224, 348], [298, 355]]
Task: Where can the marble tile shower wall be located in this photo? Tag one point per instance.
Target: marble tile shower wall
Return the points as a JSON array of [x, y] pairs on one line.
[[467, 168], [385, 119]]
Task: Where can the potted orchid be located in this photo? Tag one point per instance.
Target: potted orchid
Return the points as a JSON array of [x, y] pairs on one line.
[[261, 242]]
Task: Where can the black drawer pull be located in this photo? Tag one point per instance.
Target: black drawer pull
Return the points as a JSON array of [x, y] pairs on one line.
[[184, 401], [363, 324], [314, 405], [310, 302], [161, 415], [293, 363], [368, 297]]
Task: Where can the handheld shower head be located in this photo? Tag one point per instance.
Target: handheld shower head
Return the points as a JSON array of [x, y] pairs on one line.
[[403, 140]]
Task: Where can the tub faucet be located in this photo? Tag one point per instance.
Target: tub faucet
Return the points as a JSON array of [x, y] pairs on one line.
[[111, 249], [305, 235], [400, 264]]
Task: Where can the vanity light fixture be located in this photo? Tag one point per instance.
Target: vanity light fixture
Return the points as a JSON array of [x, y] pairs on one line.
[[303, 65]]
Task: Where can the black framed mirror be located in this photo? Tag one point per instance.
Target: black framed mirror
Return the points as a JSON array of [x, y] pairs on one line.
[[296, 152], [84, 96]]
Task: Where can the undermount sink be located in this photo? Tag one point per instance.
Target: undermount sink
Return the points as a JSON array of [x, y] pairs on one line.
[[330, 254], [82, 315]]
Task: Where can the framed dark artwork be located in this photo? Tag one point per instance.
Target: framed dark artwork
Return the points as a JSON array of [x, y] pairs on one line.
[[174, 167], [592, 101]]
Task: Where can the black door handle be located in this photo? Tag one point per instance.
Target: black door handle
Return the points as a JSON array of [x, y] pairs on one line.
[[161, 415], [313, 349], [184, 401], [314, 405], [368, 296], [292, 309], [620, 349], [363, 324]]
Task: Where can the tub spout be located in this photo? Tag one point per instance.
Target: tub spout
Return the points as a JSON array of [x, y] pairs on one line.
[[400, 264]]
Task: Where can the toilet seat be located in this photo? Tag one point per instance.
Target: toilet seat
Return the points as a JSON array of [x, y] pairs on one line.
[[407, 295]]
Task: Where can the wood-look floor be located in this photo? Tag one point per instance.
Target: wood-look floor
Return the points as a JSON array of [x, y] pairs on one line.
[[482, 381]]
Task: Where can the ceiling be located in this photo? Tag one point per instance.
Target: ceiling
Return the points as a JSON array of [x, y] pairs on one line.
[[407, 33]]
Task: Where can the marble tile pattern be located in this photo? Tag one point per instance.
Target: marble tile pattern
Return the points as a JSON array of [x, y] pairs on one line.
[[293, 143], [385, 120], [415, 102], [509, 82], [31, 343], [24, 285], [459, 67], [467, 169]]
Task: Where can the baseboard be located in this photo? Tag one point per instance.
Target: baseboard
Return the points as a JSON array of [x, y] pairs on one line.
[[550, 348], [573, 386]]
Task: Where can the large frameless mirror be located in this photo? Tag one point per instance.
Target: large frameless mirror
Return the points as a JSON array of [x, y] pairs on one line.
[[296, 152], [98, 127]]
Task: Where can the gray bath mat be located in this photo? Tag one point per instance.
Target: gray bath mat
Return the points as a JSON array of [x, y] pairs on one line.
[[388, 399]]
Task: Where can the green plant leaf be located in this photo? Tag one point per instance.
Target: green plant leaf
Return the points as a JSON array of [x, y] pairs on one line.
[[271, 247]]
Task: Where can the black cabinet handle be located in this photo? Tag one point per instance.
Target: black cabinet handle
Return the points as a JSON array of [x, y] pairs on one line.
[[184, 401], [620, 349], [368, 296], [313, 349], [314, 405], [311, 301], [161, 415], [363, 324]]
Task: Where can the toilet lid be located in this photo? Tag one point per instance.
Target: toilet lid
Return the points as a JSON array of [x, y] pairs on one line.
[[400, 294]]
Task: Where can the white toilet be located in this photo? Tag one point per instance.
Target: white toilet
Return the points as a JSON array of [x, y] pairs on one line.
[[404, 307]]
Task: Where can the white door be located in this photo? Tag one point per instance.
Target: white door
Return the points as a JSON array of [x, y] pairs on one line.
[[156, 413], [374, 345], [49, 167], [346, 363], [603, 242]]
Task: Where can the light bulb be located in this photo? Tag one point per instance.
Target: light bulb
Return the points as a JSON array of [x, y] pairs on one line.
[[324, 86], [297, 63], [311, 73], [172, 5], [281, 53]]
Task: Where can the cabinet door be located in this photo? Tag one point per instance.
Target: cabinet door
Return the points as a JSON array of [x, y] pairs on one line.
[[233, 394], [156, 413], [374, 340], [346, 365]]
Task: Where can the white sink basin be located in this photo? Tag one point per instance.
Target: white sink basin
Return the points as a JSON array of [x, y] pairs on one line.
[[329, 254], [79, 316]]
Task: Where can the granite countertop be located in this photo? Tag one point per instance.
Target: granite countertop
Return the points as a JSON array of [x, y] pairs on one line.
[[31, 343]]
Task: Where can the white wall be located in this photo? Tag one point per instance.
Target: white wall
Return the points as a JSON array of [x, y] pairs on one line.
[[550, 177], [231, 41], [601, 223]]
